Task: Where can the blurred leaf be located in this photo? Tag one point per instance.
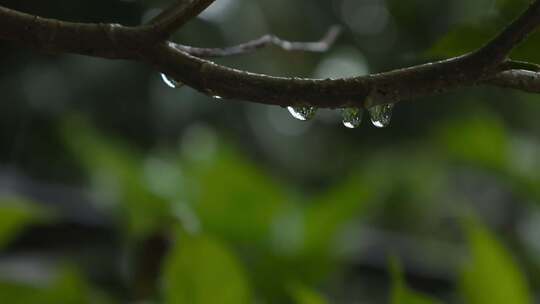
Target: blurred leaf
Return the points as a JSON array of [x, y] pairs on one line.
[[491, 276], [117, 170], [400, 293], [15, 214], [66, 287], [461, 40], [307, 238], [200, 270], [236, 200], [480, 139], [407, 182], [305, 295], [511, 8], [468, 37], [328, 212]]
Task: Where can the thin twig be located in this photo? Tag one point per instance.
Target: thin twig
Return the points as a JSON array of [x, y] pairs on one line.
[[248, 47]]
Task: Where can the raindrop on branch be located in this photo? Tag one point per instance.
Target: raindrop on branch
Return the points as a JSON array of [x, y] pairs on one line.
[[352, 117], [213, 94], [170, 82], [304, 112], [381, 115]]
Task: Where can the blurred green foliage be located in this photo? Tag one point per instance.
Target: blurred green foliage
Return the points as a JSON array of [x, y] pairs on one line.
[[400, 293], [15, 214], [491, 276], [245, 207], [304, 295], [65, 287], [118, 170], [290, 238], [466, 139], [200, 270]]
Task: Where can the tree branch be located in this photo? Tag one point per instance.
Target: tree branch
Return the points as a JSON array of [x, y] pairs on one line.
[[173, 18], [248, 47], [485, 66], [522, 80], [97, 40], [498, 49]]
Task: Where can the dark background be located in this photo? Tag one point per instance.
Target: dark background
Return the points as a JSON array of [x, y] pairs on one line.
[[115, 188]]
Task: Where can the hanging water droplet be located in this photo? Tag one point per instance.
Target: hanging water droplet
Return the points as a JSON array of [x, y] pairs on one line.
[[212, 94], [302, 112], [352, 117], [170, 82], [381, 115]]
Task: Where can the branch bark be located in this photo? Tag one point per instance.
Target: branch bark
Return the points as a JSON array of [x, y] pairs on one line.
[[522, 80], [147, 44]]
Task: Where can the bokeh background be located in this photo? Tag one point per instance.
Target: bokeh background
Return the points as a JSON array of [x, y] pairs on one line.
[[115, 188]]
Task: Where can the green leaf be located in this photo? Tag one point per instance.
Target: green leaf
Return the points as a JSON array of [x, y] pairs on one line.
[[117, 172], [15, 214], [461, 40], [491, 275], [200, 270], [304, 295], [65, 287], [468, 38], [481, 139], [236, 200], [328, 212], [400, 293]]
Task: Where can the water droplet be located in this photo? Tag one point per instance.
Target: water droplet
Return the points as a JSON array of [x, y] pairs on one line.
[[352, 117], [170, 82], [302, 112], [212, 94], [381, 115]]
